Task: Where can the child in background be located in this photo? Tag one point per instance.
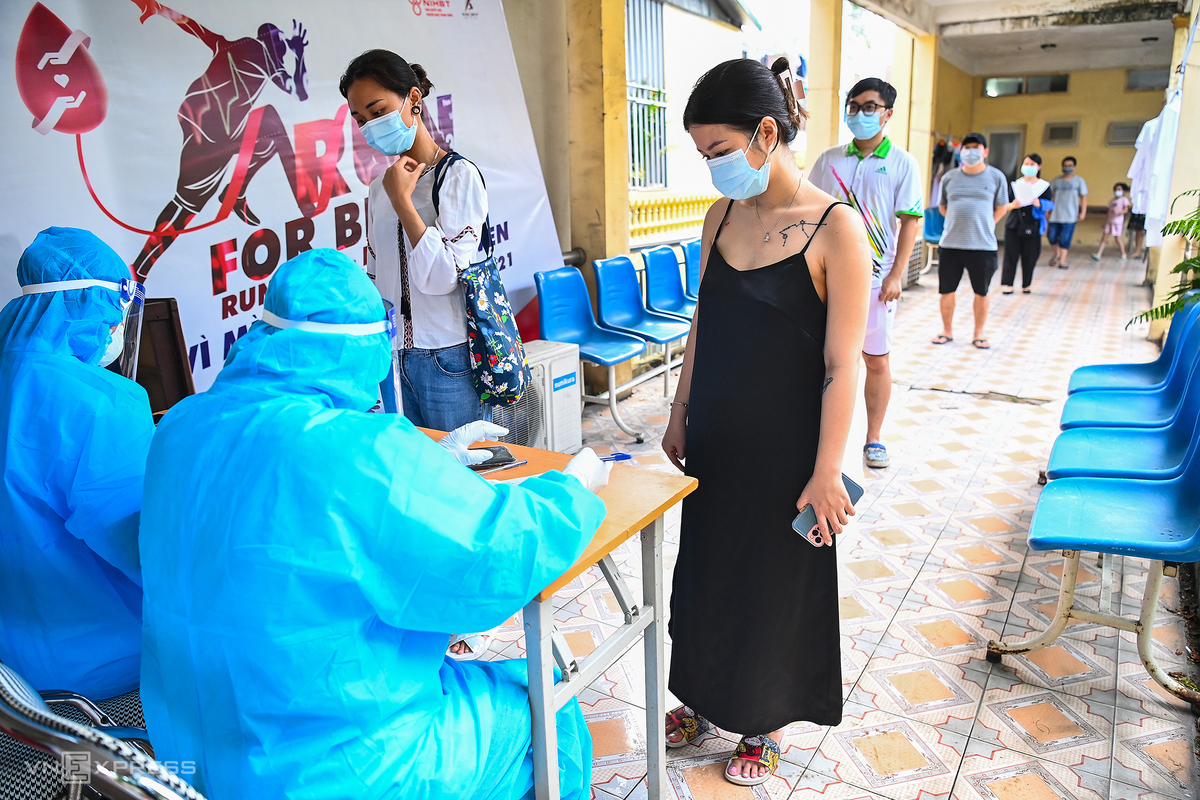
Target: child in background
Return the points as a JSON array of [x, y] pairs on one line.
[[1114, 226]]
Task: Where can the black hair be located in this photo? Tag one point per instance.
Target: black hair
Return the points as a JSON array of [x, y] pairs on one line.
[[390, 70], [1071, 159], [1124, 186], [887, 92], [739, 93], [1035, 158]]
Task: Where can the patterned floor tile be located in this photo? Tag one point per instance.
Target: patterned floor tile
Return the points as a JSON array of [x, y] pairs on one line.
[[1155, 754], [1047, 725], [922, 689], [889, 755], [993, 773]]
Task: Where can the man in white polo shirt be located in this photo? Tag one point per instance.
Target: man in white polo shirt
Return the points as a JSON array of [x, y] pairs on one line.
[[880, 181]]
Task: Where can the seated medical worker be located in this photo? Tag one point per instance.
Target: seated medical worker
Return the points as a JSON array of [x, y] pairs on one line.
[[305, 563], [75, 438]]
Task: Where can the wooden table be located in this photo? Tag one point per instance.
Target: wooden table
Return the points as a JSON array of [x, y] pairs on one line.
[[636, 500]]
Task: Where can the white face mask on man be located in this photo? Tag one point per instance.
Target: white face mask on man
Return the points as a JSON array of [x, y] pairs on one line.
[[971, 156]]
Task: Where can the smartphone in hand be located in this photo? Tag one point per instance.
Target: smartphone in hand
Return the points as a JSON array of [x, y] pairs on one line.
[[805, 522]]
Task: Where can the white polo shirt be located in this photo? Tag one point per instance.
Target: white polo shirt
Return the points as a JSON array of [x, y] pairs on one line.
[[880, 187]]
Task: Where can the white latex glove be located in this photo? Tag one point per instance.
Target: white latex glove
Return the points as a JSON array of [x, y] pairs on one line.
[[458, 440], [588, 469]]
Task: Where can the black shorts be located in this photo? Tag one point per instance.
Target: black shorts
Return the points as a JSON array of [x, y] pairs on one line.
[[1137, 222], [979, 264]]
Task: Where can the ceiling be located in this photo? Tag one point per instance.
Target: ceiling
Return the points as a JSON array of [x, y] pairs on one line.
[[999, 37]]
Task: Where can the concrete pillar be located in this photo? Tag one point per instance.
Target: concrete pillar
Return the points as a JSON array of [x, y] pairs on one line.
[[923, 103], [902, 80], [824, 76], [538, 30], [598, 123], [1185, 175]]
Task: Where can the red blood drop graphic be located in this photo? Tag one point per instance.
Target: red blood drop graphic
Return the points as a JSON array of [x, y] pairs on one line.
[[42, 40]]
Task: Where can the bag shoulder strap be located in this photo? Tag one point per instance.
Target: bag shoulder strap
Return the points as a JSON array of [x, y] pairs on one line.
[[439, 177]]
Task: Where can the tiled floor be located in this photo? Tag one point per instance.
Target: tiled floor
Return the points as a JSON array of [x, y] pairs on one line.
[[934, 567]]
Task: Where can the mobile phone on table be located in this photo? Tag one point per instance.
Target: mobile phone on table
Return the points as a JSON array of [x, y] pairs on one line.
[[501, 455], [805, 522]]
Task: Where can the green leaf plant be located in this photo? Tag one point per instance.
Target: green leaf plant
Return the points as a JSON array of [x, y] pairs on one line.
[[1186, 291]]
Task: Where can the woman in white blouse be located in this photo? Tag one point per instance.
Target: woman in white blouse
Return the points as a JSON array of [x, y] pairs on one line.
[[413, 254]]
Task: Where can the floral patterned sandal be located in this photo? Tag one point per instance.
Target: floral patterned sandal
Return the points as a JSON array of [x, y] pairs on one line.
[[691, 725], [761, 750]]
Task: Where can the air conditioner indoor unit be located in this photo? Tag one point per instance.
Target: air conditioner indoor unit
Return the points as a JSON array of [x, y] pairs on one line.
[[549, 412]]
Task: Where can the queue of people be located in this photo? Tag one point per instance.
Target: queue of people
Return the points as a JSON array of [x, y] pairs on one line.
[[280, 571]]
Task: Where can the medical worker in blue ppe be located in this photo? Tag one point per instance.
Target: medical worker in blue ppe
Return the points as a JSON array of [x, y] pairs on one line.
[[75, 439], [305, 563]]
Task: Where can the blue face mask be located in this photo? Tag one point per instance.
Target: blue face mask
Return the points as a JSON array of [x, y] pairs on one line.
[[1029, 170], [733, 176], [864, 126], [389, 135]]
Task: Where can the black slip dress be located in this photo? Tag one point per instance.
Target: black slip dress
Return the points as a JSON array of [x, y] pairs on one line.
[[754, 612]]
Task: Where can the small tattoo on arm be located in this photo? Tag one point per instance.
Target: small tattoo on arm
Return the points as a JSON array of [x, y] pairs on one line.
[[826, 386]]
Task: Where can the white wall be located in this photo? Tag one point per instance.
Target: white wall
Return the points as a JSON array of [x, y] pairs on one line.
[[691, 46]]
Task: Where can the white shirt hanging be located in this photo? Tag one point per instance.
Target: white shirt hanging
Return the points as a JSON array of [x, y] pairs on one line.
[[450, 244]]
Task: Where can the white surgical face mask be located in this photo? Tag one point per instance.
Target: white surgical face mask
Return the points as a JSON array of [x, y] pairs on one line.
[[115, 346], [733, 176], [1119, 192], [971, 156]]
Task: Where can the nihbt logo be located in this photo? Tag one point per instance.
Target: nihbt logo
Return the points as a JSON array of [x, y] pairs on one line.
[[416, 6]]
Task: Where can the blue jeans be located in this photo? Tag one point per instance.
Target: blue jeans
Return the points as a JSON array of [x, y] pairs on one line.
[[438, 390], [1061, 233]]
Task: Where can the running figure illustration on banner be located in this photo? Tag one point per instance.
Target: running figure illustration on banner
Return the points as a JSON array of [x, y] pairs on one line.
[[220, 124]]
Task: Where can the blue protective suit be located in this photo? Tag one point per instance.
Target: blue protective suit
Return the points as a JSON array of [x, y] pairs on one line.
[[306, 563], [75, 443]]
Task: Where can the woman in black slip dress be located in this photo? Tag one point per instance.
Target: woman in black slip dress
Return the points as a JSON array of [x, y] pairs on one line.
[[761, 417]]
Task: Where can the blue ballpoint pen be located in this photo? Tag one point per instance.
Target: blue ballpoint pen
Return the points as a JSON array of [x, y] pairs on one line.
[[616, 457]]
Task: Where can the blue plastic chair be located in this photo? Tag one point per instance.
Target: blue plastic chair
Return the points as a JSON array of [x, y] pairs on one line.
[[621, 308], [1150, 375], [934, 225], [691, 261], [1136, 408], [1152, 519], [565, 315], [664, 285]]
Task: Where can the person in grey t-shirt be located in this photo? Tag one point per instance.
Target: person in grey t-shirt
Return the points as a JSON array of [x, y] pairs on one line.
[[973, 199], [1070, 207]]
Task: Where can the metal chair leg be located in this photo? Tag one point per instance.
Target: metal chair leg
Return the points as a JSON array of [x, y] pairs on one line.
[[1145, 639], [612, 406], [1066, 603], [667, 369]]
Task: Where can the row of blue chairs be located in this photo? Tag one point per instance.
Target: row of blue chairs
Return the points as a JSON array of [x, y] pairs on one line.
[[1125, 481], [626, 321]]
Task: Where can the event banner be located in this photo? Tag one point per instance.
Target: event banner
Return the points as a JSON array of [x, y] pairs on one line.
[[207, 141]]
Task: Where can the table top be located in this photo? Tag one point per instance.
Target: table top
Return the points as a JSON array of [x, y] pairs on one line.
[[634, 497]]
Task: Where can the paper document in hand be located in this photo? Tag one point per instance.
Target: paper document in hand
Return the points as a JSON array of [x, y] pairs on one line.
[[1025, 191]]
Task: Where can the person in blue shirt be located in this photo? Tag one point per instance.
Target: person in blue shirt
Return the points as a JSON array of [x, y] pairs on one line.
[[306, 562], [75, 438]]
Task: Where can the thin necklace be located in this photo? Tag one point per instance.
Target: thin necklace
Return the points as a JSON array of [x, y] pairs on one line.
[[767, 233], [433, 163]]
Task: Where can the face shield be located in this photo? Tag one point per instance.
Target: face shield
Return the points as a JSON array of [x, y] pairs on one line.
[[122, 350], [389, 388]]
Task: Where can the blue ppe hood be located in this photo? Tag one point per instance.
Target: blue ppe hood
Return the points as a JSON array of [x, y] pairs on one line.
[[306, 563], [75, 439]]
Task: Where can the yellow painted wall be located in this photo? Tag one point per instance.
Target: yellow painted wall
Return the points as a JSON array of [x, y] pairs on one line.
[[1094, 99], [954, 101]]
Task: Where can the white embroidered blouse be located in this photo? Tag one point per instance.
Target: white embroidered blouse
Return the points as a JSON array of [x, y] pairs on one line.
[[449, 245]]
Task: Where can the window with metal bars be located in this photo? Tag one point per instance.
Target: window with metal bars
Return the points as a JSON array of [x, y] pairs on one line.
[[646, 95]]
